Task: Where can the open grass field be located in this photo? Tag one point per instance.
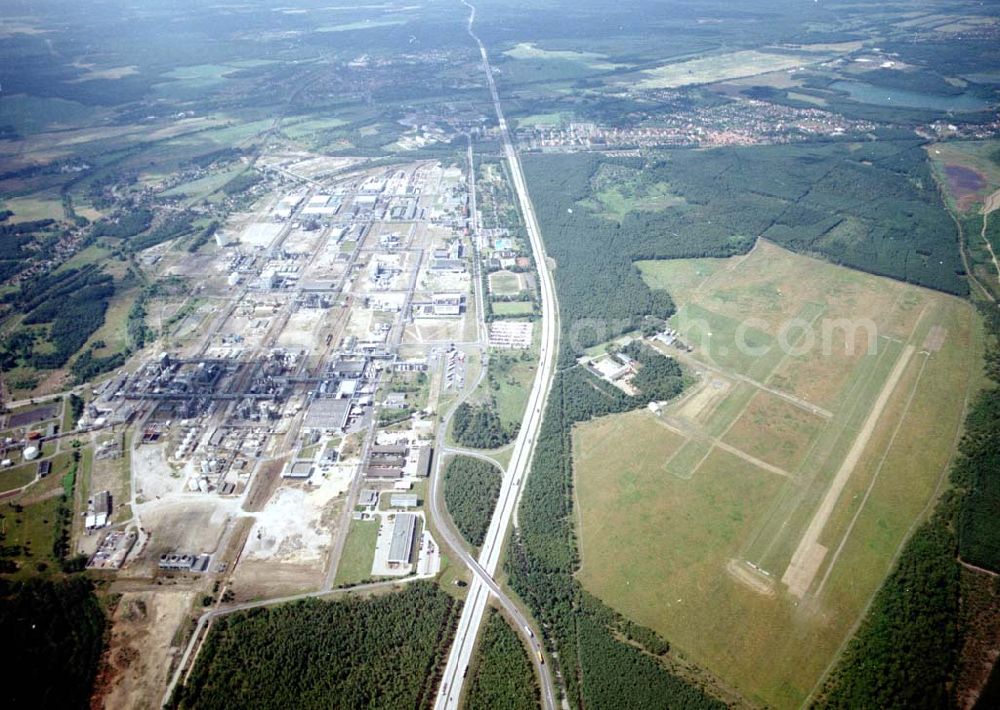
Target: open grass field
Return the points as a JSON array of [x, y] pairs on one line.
[[17, 476], [513, 308], [359, 551], [204, 186], [38, 206], [594, 60], [751, 521], [544, 119], [514, 383], [506, 283], [733, 65], [617, 200], [300, 130]]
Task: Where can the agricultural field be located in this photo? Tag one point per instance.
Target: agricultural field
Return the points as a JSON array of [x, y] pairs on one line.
[[752, 519]]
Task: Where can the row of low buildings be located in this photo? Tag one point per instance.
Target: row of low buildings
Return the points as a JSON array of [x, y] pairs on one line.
[[389, 462], [369, 498]]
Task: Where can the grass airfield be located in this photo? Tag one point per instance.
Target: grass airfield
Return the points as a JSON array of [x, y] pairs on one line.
[[752, 519]]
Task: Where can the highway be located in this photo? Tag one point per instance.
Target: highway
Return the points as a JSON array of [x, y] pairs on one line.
[[483, 584]]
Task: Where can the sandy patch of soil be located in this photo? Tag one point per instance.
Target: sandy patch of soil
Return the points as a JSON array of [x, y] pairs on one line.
[[141, 653]]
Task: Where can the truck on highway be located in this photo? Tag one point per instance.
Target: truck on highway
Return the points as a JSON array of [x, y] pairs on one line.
[[527, 630]]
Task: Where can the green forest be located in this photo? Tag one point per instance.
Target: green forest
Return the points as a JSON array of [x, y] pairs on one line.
[[873, 206], [55, 632], [503, 678], [383, 651], [471, 487], [605, 660], [977, 468], [478, 426], [61, 310]]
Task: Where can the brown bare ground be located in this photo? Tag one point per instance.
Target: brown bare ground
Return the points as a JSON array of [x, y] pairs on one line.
[[265, 482], [141, 653], [703, 401], [981, 637], [992, 202], [261, 579], [750, 578], [935, 339]]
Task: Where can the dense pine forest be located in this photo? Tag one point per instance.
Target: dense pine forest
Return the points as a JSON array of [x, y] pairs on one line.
[[471, 487], [503, 678], [383, 651], [55, 635]]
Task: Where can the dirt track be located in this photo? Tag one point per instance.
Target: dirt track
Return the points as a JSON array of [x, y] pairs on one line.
[[992, 202]]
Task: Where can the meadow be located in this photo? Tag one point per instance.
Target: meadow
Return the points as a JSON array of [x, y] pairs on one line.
[[359, 551], [751, 521], [733, 65], [512, 308], [505, 283]]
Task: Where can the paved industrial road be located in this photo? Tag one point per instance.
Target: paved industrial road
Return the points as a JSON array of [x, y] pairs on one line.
[[450, 691]]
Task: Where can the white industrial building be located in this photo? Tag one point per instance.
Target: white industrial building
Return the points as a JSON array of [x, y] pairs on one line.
[[401, 546]]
